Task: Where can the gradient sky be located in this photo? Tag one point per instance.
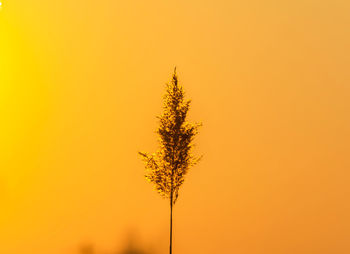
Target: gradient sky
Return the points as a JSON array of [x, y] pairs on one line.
[[82, 81]]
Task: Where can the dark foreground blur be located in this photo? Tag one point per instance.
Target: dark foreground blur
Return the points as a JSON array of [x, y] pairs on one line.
[[131, 247]]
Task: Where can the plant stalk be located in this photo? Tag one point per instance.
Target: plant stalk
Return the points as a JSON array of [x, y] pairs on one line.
[[171, 223]]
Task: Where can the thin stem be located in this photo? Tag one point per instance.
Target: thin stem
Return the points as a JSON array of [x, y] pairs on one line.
[[171, 223]]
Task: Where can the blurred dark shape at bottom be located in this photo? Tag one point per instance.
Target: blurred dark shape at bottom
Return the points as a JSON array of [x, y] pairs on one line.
[[131, 247], [87, 249]]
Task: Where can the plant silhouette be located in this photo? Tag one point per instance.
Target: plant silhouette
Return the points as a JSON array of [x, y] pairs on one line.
[[167, 167]]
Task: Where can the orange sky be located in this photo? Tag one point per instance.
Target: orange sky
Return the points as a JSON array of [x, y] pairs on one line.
[[82, 81]]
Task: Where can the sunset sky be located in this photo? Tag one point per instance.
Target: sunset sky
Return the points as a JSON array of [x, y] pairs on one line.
[[81, 84]]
